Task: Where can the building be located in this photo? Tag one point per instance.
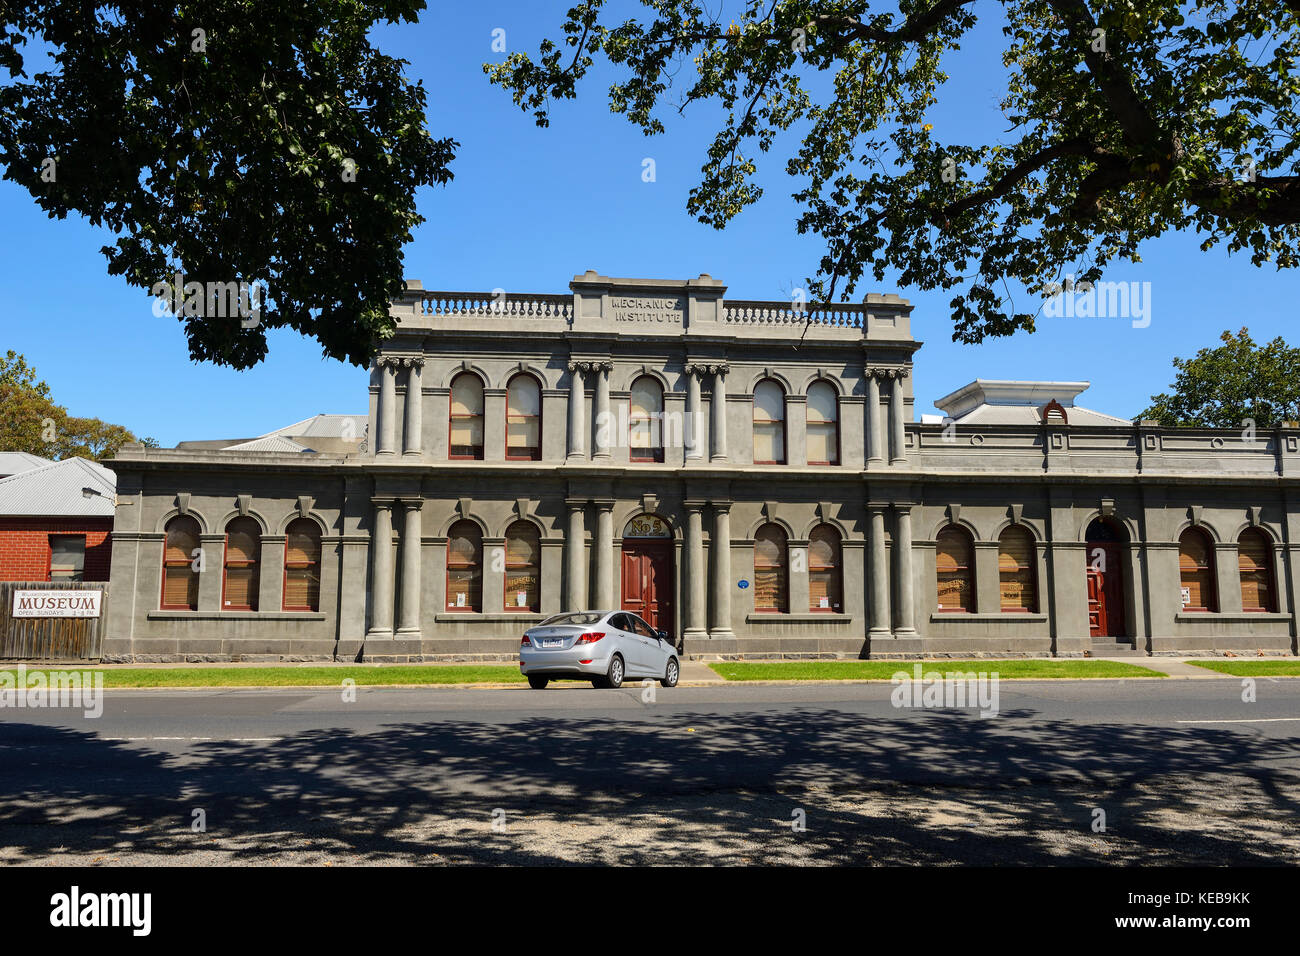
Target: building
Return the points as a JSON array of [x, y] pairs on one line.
[[55, 519], [747, 475]]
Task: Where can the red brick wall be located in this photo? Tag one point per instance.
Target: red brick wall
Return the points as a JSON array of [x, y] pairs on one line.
[[25, 546]]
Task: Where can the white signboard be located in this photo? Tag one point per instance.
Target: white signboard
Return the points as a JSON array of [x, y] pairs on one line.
[[57, 603]]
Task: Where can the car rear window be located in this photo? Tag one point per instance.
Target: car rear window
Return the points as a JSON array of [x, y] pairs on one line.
[[574, 617]]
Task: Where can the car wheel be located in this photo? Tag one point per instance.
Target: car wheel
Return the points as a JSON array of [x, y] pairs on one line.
[[614, 678], [671, 673], [538, 683]]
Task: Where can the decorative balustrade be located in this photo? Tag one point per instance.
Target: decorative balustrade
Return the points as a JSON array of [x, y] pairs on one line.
[[498, 304], [840, 315]]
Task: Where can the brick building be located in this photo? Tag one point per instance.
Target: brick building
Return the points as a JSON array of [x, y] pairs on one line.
[[56, 519]]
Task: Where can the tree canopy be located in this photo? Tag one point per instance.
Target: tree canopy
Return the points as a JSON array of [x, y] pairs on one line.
[[1124, 120], [1232, 386], [230, 142], [33, 423]]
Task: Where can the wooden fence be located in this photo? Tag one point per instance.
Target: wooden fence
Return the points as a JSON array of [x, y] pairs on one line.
[[50, 638]]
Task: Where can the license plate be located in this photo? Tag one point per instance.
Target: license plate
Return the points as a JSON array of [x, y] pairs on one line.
[[555, 642]]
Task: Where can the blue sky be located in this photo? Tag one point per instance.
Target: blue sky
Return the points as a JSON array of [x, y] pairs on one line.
[[529, 208]]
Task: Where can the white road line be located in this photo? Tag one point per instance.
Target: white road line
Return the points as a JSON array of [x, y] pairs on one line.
[[231, 739], [1257, 720]]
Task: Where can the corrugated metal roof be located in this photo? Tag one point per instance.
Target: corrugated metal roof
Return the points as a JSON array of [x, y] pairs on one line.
[[269, 443], [325, 426], [16, 462], [56, 489]]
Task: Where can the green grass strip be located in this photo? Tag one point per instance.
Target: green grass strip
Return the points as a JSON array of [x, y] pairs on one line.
[[884, 670], [1252, 668], [292, 676]]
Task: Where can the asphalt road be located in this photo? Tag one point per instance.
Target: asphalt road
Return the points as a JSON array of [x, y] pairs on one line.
[[1179, 771]]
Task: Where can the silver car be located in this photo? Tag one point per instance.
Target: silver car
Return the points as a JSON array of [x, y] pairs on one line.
[[604, 647]]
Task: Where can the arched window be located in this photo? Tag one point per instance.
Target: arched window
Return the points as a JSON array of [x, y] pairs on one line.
[[770, 587], [1016, 569], [769, 423], [645, 420], [180, 584], [825, 578], [1196, 570], [956, 570], [465, 567], [523, 567], [524, 418], [465, 429], [823, 424], [1255, 561], [243, 551], [302, 565]]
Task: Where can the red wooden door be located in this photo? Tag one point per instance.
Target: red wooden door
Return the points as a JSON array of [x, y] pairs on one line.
[[1105, 590], [648, 582]]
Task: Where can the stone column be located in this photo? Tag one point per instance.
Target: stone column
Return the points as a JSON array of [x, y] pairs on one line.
[[411, 443], [718, 426], [879, 576], [575, 558], [875, 452], [409, 622], [605, 425], [577, 444], [897, 452], [696, 572], [381, 570], [387, 407], [605, 598], [693, 430], [721, 548], [905, 613]]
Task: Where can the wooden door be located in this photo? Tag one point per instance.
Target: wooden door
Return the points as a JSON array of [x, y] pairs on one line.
[[1105, 590], [648, 582]]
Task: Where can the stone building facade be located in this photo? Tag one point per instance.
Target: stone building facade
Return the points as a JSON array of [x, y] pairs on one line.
[[747, 475]]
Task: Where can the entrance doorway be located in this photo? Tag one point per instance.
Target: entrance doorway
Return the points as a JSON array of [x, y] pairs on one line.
[[647, 571], [1105, 568]]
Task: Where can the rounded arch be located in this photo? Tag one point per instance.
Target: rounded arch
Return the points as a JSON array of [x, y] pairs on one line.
[[1124, 525], [512, 519], [459, 370], [526, 373], [964, 523], [627, 376], [1039, 535], [444, 529], [161, 526], [291, 516], [526, 368], [622, 518], [781, 523], [1270, 532], [810, 380], [840, 527], [232, 515], [1204, 526], [774, 375]]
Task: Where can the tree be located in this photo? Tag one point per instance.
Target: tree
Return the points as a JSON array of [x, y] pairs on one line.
[[31, 422], [1126, 120], [229, 142], [1232, 386]]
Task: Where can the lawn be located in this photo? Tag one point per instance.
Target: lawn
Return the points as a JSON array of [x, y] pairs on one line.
[[293, 676], [1238, 668], [884, 670]]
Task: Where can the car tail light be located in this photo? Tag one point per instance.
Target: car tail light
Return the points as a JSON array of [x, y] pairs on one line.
[[525, 642], [591, 637]]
